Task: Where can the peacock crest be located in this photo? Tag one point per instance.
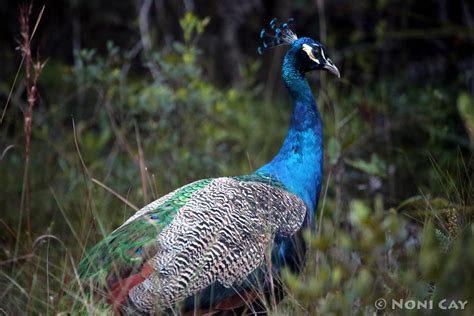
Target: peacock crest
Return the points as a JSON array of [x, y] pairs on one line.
[[278, 34]]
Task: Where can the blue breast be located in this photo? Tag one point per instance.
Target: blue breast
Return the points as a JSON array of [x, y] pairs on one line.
[[299, 163]]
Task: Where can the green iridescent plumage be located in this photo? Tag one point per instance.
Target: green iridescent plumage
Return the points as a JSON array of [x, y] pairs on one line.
[[259, 177]]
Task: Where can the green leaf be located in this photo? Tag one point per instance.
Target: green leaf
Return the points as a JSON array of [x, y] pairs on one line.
[[466, 110], [334, 150], [376, 166]]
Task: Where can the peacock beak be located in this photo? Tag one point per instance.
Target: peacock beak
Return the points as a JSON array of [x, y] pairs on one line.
[[329, 66]]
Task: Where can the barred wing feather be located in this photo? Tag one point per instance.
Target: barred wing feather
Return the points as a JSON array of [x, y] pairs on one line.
[[221, 235], [212, 230]]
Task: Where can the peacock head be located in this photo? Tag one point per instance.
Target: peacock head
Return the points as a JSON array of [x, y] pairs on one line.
[[305, 53]]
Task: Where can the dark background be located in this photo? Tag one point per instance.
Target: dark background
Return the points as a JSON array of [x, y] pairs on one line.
[[410, 37]]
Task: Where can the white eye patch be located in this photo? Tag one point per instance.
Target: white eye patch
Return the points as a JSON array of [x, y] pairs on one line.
[[309, 51], [322, 53]]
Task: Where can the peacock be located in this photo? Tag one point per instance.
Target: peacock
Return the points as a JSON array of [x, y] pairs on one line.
[[219, 245]]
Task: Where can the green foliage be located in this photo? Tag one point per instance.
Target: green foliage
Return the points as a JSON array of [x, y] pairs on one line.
[[466, 110], [376, 166], [192, 26], [379, 255], [184, 123]]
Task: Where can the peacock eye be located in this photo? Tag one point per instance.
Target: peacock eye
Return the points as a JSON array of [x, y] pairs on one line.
[[311, 52]]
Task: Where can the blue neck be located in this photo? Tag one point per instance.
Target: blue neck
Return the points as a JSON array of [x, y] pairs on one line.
[[299, 163]]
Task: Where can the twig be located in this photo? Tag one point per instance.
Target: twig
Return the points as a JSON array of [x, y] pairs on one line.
[[76, 144], [122, 141], [32, 73], [8, 228], [322, 20], [86, 178], [68, 222], [16, 259], [143, 24], [121, 198], [322, 35], [141, 166], [6, 150], [21, 64]]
